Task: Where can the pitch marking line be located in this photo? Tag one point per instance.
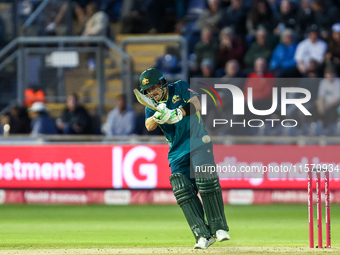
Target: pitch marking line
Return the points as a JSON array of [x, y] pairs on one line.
[[170, 250]]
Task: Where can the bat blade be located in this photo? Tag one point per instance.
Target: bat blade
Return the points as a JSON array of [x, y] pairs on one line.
[[144, 100]]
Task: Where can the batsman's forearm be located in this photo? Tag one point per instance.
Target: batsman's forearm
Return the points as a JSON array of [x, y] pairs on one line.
[[150, 124], [191, 107]]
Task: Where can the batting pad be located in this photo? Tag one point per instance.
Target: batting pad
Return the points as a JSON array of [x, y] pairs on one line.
[[191, 205], [211, 195]]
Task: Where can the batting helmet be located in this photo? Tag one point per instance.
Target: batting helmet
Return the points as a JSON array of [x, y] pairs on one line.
[[151, 77]]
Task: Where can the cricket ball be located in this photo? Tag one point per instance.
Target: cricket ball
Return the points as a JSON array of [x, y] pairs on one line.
[[206, 139]]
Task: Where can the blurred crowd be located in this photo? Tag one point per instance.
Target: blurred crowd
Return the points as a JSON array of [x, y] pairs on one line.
[[230, 39], [324, 106], [294, 37], [76, 120]]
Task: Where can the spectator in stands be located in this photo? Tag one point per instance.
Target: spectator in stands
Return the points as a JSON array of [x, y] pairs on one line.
[[310, 49], [275, 7], [235, 16], [232, 69], [262, 88], [230, 47], [325, 16], [97, 25], [261, 15], [98, 22], [329, 97], [75, 119], [333, 54], [79, 7], [57, 10], [282, 62], [112, 8], [188, 26], [207, 68], [121, 120], [194, 9], [206, 48], [233, 76], [169, 63], [19, 121], [55, 13], [287, 15], [305, 18], [258, 49], [260, 71], [316, 68], [41, 122], [211, 16], [312, 85]]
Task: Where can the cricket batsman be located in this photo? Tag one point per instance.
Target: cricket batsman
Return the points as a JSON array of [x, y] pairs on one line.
[[181, 123]]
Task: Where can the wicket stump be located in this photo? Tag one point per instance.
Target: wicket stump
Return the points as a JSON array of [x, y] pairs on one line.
[[318, 207]]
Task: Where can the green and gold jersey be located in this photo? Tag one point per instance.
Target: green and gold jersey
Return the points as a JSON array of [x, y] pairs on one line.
[[186, 135]]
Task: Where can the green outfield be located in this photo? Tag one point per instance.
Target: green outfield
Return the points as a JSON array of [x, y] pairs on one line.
[[104, 229]]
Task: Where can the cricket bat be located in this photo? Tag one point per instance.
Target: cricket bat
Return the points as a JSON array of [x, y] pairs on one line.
[[144, 100]]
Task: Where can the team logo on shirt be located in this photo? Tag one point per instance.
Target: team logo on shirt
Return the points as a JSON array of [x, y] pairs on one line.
[[175, 99], [145, 81]]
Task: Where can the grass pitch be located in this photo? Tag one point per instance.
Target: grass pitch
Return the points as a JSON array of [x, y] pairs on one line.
[[157, 229]]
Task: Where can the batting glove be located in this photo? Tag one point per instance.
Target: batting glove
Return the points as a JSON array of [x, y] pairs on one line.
[[163, 116], [176, 116]]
